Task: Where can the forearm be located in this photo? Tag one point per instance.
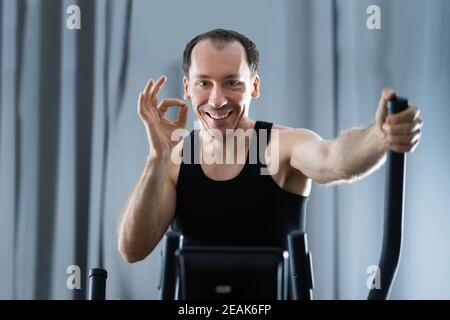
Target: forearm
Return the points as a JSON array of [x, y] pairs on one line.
[[139, 223], [357, 153]]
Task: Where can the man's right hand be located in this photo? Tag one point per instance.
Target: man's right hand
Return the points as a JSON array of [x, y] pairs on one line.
[[159, 130]]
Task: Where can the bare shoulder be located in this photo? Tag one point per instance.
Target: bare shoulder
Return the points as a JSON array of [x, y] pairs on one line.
[[290, 139], [288, 136], [289, 178], [279, 127]]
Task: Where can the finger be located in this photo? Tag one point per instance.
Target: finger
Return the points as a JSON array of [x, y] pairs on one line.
[[140, 105], [417, 124], [403, 128], [145, 95], [404, 139], [388, 94], [416, 135], [155, 90], [182, 116], [381, 113], [408, 115], [148, 87], [170, 102], [417, 111], [402, 148]]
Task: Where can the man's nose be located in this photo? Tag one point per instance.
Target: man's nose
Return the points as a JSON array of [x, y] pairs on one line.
[[217, 99]]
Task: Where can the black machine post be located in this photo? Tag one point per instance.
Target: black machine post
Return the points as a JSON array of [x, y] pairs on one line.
[[393, 215], [97, 284], [301, 274], [168, 266]]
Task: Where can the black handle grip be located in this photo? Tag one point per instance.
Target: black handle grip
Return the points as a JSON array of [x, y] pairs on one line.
[[393, 216], [97, 284]]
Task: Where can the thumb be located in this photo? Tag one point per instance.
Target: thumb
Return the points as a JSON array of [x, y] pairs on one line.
[[381, 114]]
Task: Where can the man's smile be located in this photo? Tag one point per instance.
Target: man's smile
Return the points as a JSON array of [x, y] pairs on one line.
[[219, 116]]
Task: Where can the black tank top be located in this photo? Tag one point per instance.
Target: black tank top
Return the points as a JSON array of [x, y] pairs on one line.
[[247, 210]]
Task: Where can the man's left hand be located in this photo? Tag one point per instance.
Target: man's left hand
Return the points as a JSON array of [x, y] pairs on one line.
[[402, 131]]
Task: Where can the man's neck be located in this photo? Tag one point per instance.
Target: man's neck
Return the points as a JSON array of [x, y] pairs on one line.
[[227, 145]]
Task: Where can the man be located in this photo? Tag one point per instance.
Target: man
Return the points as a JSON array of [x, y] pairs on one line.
[[232, 203]]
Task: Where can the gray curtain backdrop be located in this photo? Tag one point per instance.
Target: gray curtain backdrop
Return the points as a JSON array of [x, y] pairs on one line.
[[72, 146]]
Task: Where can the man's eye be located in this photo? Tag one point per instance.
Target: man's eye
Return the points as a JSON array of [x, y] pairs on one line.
[[233, 83], [202, 83]]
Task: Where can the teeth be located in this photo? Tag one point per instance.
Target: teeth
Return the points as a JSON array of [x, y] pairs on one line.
[[219, 117]]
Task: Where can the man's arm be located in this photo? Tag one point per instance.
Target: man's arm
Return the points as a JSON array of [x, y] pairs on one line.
[[357, 152], [353, 155], [148, 212], [151, 206]]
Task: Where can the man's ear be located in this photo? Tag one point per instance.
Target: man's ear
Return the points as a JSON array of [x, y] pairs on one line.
[[255, 87], [187, 95]]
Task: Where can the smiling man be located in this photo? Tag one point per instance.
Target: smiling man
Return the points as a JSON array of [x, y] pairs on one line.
[[231, 202]]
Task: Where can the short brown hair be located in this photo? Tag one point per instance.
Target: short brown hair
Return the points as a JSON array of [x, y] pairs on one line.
[[219, 37]]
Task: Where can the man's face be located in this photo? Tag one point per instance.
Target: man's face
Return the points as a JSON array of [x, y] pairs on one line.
[[220, 85]]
